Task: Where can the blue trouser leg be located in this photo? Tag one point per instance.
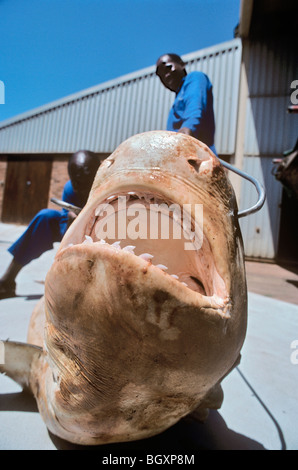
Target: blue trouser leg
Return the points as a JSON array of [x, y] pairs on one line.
[[47, 227]]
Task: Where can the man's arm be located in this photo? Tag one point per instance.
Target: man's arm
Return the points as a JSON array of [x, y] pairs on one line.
[[195, 104], [67, 196]]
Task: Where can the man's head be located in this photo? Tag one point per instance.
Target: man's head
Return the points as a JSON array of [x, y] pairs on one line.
[[82, 167], [170, 68]]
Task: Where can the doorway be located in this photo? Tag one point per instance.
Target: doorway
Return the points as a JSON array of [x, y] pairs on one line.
[[26, 190]]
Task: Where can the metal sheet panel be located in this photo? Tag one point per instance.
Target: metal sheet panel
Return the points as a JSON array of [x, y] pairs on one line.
[[273, 66], [269, 131], [269, 128], [103, 116], [260, 230]]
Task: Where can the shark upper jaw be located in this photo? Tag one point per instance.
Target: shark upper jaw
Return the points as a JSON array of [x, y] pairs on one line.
[[192, 272]]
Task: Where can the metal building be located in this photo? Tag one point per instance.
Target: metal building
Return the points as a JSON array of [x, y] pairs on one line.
[[100, 118], [251, 77], [265, 129], [34, 143]]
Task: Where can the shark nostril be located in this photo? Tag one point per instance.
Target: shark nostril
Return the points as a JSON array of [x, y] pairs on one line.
[[109, 162], [195, 163]]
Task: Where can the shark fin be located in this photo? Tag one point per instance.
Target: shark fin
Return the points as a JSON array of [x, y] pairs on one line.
[[16, 360]]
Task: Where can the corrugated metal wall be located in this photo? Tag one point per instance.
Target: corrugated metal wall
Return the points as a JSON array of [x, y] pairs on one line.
[[269, 131], [101, 117]]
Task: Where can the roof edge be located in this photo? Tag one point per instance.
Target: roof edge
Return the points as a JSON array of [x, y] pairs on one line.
[[246, 9]]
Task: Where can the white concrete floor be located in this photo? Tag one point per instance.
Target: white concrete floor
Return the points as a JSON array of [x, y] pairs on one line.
[[260, 409]]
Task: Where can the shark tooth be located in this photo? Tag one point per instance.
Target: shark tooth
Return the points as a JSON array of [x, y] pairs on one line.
[[146, 256], [129, 248], [88, 240], [162, 267], [116, 245]]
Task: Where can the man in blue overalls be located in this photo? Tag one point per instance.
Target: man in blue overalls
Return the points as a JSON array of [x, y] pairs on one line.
[[49, 225], [192, 110]]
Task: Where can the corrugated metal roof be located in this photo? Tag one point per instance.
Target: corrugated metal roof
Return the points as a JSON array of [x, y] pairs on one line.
[[101, 117]]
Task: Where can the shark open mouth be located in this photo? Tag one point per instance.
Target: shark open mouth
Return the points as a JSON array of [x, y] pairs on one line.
[[160, 232]]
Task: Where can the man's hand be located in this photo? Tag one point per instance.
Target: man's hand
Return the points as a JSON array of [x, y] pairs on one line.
[[185, 130]]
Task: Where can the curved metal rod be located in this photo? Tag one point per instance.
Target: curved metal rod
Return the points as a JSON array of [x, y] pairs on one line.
[[260, 189], [251, 210], [66, 205]]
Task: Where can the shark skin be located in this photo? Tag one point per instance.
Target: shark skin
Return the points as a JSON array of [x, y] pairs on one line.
[[135, 333]]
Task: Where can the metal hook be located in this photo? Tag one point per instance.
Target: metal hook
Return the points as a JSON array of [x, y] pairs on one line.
[[260, 190], [251, 210], [66, 205]]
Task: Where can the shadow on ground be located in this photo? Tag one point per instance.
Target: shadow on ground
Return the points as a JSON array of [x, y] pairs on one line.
[[186, 435]]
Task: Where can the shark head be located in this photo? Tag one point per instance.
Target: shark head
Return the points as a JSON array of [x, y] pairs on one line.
[[145, 304]]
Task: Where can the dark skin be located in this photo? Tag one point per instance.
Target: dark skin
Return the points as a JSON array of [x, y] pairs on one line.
[[171, 71], [82, 168]]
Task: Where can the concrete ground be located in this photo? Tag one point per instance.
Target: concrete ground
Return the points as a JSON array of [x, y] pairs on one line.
[[260, 408]]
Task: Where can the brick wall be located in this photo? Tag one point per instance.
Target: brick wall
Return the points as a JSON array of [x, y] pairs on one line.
[[58, 179]]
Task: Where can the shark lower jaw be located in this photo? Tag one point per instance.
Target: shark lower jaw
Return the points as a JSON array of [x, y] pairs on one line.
[[158, 233]]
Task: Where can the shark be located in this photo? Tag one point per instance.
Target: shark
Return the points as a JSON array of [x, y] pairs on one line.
[[144, 310]]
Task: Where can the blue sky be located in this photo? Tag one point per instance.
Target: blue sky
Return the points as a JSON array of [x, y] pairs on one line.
[[52, 48]]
